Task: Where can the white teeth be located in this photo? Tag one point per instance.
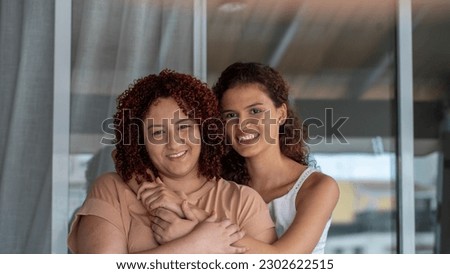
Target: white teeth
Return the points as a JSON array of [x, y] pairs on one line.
[[176, 155], [247, 137]]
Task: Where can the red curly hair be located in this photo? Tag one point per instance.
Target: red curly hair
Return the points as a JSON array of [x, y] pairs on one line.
[[193, 97]]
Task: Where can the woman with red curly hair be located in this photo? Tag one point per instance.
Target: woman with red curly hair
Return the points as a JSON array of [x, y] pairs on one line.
[[169, 141]]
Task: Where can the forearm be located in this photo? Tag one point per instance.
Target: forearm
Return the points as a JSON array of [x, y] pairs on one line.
[[264, 243], [183, 245], [195, 242], [255, 246], [258, 247], [284, 245]]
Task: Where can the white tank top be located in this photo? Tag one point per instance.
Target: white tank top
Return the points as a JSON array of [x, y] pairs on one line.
[[283, 210]]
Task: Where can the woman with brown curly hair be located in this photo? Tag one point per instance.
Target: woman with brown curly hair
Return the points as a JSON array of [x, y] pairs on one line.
[[168, 139], [269, 153]]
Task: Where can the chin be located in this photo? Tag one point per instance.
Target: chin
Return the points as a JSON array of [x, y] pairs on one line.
[[247, 152]]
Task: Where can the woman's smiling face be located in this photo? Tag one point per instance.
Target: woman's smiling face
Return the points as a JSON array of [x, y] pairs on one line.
[[252, 120], [172, 140]]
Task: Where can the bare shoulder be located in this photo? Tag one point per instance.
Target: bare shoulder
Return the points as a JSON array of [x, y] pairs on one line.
[[320, 185], [321, 180]]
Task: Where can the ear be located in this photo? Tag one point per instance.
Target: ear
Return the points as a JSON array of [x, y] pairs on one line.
[[282, 114]]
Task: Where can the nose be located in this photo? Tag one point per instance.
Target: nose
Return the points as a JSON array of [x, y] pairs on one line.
[[234, 125], [174, 140], [241, 124], [247, 122]]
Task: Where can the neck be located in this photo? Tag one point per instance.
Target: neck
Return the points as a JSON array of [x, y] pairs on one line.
[[185, 184], [274, 168]]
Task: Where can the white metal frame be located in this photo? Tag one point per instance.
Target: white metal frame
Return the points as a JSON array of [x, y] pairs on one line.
[[61, 125], [405, 125], [200, 36]]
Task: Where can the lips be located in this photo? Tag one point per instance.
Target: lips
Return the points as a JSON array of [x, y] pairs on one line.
[[177, 154]]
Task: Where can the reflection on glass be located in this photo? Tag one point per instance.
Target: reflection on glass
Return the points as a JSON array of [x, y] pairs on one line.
[[426, 176], [431, 20]]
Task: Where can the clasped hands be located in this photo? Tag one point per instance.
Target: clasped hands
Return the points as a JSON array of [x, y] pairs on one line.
[[172, 217]]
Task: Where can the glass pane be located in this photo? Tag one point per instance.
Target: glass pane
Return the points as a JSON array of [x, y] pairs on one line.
[[431, 59], [338, 57], [113, 43]]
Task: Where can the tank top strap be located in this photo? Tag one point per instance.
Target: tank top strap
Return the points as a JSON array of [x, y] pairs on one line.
[[305, 174]]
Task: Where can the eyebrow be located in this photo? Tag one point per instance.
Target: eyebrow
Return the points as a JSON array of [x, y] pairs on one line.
[[184, 120], [188, 120], [247, 107]]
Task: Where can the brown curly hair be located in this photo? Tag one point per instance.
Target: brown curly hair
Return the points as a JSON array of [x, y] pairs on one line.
[[194, 98], [292, 132]]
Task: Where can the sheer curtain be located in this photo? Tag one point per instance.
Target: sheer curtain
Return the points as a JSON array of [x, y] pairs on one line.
[[26, 99], [113, 43]]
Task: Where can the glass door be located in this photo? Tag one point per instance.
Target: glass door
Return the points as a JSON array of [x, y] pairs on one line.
[[339, 59]]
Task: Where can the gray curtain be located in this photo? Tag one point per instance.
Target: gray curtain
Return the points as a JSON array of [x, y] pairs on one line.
[[26, 100], [113, 43]]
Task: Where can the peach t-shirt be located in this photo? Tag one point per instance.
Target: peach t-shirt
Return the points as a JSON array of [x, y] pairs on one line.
[[111, 199]]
